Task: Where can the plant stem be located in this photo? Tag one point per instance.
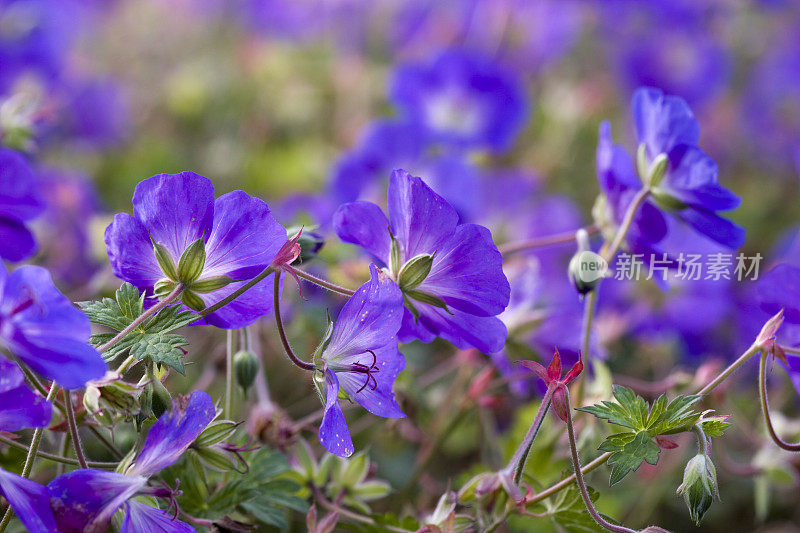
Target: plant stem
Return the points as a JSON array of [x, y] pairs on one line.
[[762, 392], [702, 440], [627, 220], [323, 283], [56, 458], [29, 459], [517, 463], [541, 242], [238, 292], [229, 389], [286, 346], [579, 476], [73, 429], [589, 308], [722, 376], [171, 297]]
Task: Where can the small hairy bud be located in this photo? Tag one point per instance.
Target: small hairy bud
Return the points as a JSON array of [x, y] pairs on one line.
[[699, 487], [245, 367]]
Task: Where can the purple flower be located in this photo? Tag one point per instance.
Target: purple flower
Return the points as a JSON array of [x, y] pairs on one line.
[[461, 100], [688, 190], [19, 203], [86, 500], [30, 502], [361, 357], [20, 407], [42, 327], [464, 287], [235, 235]]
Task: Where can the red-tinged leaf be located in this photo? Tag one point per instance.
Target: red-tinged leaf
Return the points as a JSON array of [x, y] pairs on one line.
[[554, 370], [537, 368], [778, 352], [573, 373], [665, 443]]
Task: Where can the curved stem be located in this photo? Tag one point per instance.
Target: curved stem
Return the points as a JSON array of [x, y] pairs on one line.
[[238, 292], [517, 463], [627, 220], [579, 476], [29, 459], [171, 297], [762, 392], [702, 440], [73, 429], [542, 242], [56, 458], [324, 283], [286, 346]]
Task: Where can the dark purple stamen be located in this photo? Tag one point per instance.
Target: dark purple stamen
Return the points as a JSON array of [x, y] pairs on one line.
[[367, 370]]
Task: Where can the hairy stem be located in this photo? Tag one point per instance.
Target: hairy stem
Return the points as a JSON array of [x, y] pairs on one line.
[[171, 297], [627, 220], [722, 376], [589, 307], [238, 292], [762, 393], [73, 429], [579, 476], [517, 463], [324, 283], [542, 242], [279, 322]]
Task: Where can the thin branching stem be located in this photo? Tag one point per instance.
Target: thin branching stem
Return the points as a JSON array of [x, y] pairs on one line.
[[325, 284], [762, 393], [73, 429], [279, 323]]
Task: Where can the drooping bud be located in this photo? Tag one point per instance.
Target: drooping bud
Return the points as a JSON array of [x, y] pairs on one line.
[[699, 487], [165, 261], [210, 284], [586, 268], [245, 368], [192, 262], [414, 272]]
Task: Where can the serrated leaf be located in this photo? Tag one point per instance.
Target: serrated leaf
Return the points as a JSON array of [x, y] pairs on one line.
[[568, 511], [631, 456], [161, 349], [714, 426]]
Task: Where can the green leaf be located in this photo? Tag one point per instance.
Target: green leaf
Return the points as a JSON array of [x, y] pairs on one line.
[[118, 312], [161, 349], [567, 510], [631, 455], [714, 426]]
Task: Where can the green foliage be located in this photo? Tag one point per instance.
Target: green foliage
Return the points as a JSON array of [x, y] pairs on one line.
[[567, 511], [265, 493], [631, 448], [151, 339]]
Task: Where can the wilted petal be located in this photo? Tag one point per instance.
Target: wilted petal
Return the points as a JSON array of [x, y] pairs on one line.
[[174, 432]]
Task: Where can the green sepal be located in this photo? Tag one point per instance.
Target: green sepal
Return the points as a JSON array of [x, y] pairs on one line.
[[192, 262], [210, 284], [164, 287], [427, 298], [415, 271], [165, 261], [193, 301], [394, 254]]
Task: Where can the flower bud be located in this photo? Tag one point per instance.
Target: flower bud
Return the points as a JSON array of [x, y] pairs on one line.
[[415, 271], [310, 243], [586, 268], [245, 368], [699, 487], [192, 262]]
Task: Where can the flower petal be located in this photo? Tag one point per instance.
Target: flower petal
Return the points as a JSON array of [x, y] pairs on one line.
[[369, 319], [141, 518], [467, 273], [487, 334], [713, 226], [176, 209], [30, 502], [333, 432], [18, 241], [364, 224], [244, 239], [421, 219], [22, 408], [379, 401], [130, 251], [84, 501], [19, 197], [663, 121], [174, 432]]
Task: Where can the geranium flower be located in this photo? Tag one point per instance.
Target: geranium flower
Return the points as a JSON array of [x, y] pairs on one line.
[[40, 325], [361, 357], [19, 203], [450, 274], [222, 241], [688, 190]]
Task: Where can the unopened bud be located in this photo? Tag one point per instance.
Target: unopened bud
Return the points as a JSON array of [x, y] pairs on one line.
[[245, 368], [310, 243], [192, 262], [699, 487]]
